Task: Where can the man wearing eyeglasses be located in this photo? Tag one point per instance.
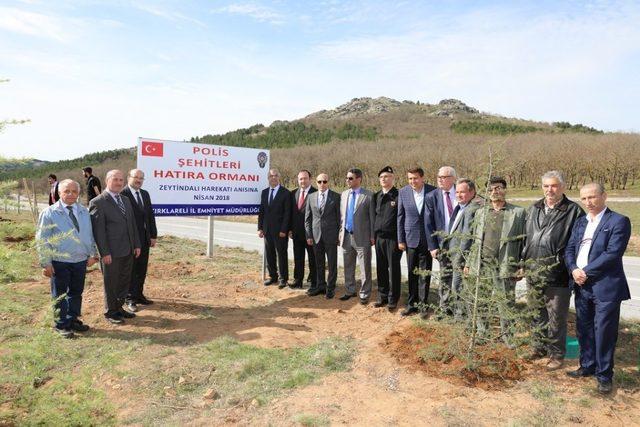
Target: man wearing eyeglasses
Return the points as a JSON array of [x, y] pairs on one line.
[[146, 223], [356, 236], [322, 227], [594, 260], [500, 229], [441, 208]]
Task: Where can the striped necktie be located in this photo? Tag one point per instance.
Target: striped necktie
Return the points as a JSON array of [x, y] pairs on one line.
[[121, 205]]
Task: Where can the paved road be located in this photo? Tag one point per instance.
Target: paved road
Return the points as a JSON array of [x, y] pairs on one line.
[[243, 235]]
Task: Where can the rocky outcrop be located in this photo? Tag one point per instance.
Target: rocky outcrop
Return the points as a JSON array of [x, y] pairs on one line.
[[451, 107], [358, 107]]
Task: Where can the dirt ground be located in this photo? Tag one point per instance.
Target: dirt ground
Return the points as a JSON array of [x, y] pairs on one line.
[[378, 390]]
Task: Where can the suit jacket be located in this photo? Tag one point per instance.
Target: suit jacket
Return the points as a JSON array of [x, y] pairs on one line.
[[411, 223], [275, 218], [363, 217], [511, 240], [56, 195], [435, 218], [115, 234], [459, 241], [297, 215], [323, 224], [605, 274], [145, 220]]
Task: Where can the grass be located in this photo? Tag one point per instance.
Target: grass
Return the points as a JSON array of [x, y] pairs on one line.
[[46, 380], [309, 420]]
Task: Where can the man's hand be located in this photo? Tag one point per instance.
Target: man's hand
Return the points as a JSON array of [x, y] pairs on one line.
[[520, 274], [373, 241], [282, 234], [48, 271], [153, 242], [579, 276], [260, 234], [291, 234], [434, 254], [310, 242], [136, 252], [91, 260], [106, 259], [402, 246], [465, 271]]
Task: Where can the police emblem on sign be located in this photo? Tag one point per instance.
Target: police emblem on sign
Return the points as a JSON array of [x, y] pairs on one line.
[[262, 159]]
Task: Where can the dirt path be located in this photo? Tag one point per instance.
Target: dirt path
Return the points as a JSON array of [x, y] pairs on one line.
[[377, 391]]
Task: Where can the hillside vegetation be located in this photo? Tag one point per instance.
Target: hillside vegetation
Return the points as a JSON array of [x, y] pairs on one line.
[[371, 133]]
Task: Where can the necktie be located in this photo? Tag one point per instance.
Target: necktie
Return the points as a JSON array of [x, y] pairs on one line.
[[350, 208], [301, 199], [322, 201], [449, 205], [139, 200], [121, 205], [271, 196], [453, 217], [74, 220]]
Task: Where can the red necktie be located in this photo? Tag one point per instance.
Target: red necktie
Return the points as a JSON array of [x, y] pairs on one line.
[[449, 205], [301, 199]]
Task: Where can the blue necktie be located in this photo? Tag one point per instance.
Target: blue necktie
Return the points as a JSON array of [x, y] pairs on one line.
[[271, 196], [350, 208]]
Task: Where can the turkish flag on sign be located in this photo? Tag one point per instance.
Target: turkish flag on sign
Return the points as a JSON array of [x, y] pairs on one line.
[[152, 149]]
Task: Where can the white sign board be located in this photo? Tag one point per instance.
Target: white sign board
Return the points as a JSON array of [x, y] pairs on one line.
[[186, 179]]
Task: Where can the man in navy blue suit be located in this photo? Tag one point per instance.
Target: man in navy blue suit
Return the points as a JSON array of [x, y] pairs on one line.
[[412, 236], [440, 211], [594, 259]]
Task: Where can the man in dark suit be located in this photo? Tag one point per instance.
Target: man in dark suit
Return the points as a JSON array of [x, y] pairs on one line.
[[439, 208], [385, 230], [54, 194], [412, 236], [118, 242], [594, 259], [298, 207], [146, 224], [322, 227], [274, 219]]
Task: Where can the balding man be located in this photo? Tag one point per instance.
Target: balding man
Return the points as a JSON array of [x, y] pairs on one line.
[[66, 248], [118, 241], [274, 220], [146, 224], [594, 260], [440, 212]]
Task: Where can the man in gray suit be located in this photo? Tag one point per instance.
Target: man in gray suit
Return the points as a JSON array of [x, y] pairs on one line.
[[458, 242], [322, 225], [116, 235], [356, 235]]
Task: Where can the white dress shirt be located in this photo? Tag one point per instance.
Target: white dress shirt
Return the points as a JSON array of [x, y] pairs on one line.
[[585, 244], [418, 196]]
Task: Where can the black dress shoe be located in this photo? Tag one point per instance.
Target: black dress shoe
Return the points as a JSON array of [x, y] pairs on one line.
[[116, 320], [78, 326], [580, 373], [283, 285], [64, 332], [605, 387], [346, 297], [296, 285], [392, 306], [269, 282], [330, 295], [127, 314], [314, 292], [131, 306], [379, 304], [144, 301], [364, 301], [408, 311]]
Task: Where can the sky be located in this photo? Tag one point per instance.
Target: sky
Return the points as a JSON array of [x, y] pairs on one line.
[[95, 75]]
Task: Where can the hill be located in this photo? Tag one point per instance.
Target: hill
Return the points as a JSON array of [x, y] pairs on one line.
[[373, 132]]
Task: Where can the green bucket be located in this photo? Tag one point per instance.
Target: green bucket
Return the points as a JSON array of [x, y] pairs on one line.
[[573, 348]]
